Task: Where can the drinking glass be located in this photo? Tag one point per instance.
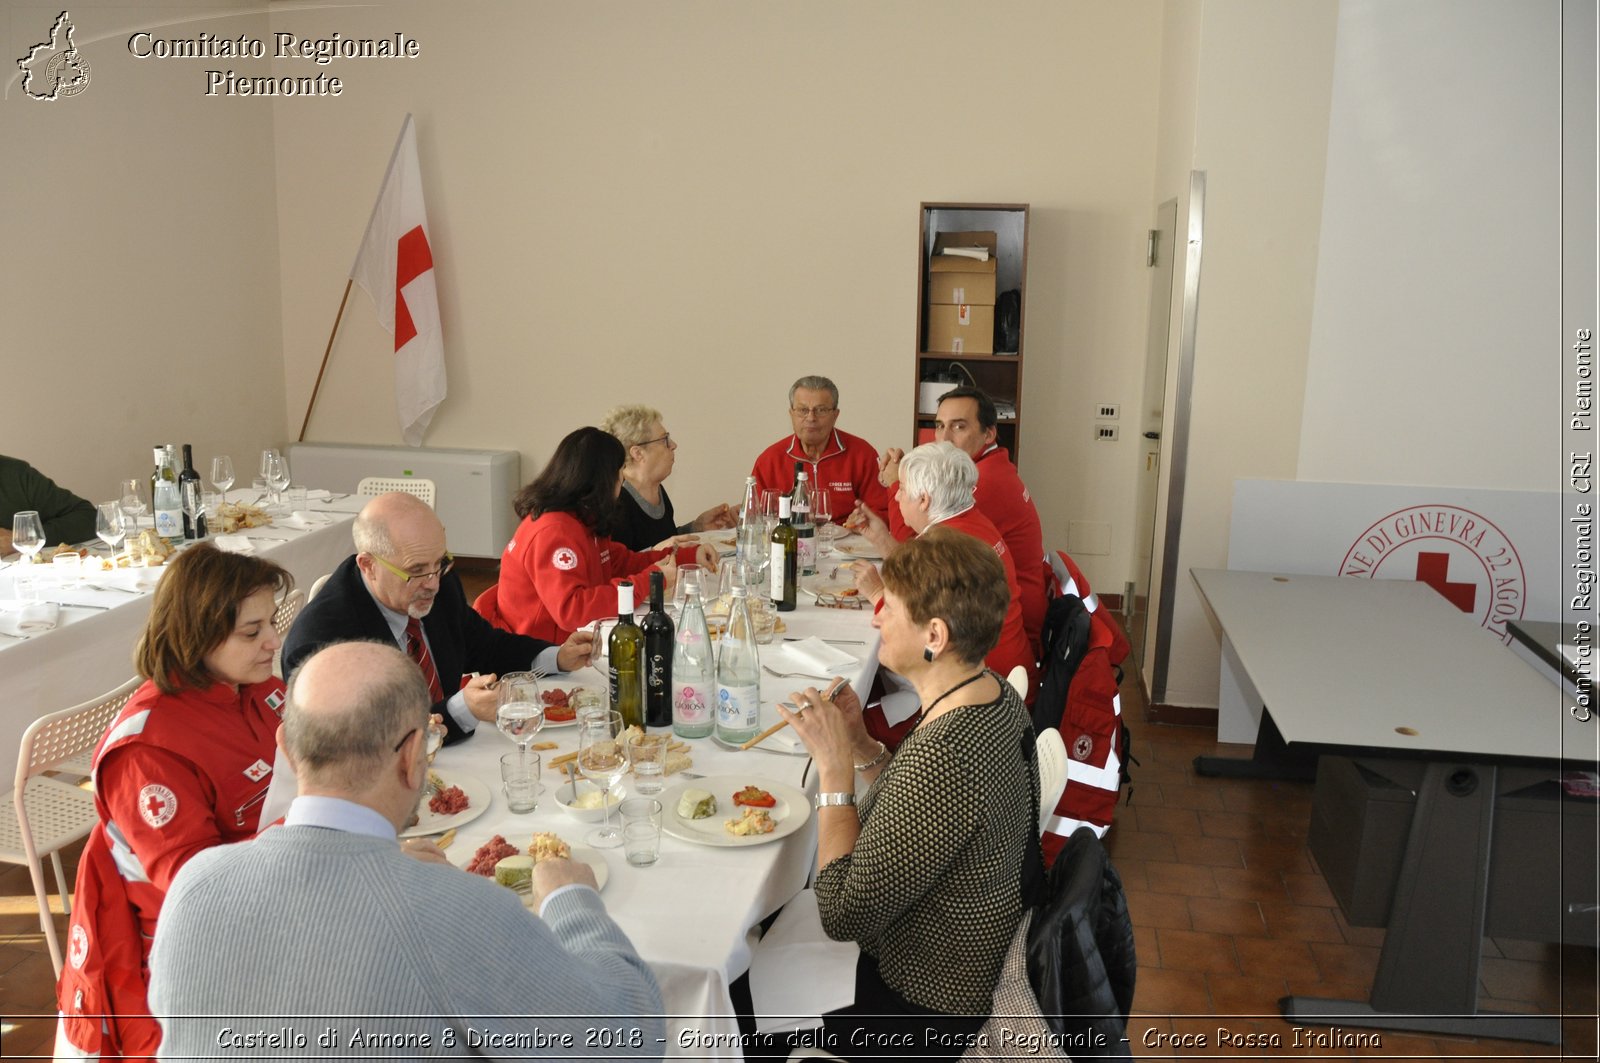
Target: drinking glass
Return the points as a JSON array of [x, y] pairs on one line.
[[133, 501], [27, 533], [520, 715], [222, 472], [111, 524], [194, 502], [690, 577], [769, 509], [277, 475], [603, 761]]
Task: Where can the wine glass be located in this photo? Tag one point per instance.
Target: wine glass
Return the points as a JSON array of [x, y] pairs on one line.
[[521, 713], [27, 533], [826, 530], [276, 470], [111, 524], [133, 501], [194, 503], [222, 472], [603, 761]]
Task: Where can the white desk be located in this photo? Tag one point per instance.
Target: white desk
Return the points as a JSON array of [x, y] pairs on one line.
[[1389, 666], [91, 651], [691, 916]]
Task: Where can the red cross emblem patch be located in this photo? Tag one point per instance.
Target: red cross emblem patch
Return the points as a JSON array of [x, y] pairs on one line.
[[258, 771], [157, 805], [565, 558], [1082, 746]]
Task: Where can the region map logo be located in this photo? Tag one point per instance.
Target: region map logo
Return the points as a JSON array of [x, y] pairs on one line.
[[54, 69]]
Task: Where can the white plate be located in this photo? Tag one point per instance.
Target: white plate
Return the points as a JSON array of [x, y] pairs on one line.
[[569, 684], [836, 580], [791, 811], [430, 822], [581, 853]]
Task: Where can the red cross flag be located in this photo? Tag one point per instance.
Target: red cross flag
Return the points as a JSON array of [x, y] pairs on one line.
[[395, 267]]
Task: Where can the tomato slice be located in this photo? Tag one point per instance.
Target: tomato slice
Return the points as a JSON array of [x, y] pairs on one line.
[[755, 797]]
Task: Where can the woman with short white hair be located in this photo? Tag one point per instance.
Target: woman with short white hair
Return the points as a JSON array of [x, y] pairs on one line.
[[937, 481], [644, 511]]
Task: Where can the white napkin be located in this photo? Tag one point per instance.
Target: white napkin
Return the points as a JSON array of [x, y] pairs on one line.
[[797, 972], [34, 618], [814, 655], [785, 741], [233, 544], [303, 521]]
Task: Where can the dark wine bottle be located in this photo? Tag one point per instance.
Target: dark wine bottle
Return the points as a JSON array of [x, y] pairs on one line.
[[626, 652], [191, 493], [784, 566], [658, 644]]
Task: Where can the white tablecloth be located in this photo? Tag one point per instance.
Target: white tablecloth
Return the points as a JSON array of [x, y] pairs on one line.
[[693, 914], [91, 651]]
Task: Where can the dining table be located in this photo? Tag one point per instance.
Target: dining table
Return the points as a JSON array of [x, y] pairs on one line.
[[101, 613], [696, 913]]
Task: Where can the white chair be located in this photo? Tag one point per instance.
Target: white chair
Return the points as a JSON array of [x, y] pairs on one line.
[[1051, 752], [1018, 678], [282, 620], [372, 486], [47, 814], [317, 585]]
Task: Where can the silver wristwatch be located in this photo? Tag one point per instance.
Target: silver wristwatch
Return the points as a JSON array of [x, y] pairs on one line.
[[837, 798]]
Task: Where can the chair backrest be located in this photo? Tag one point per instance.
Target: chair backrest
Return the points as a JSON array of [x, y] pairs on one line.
[[288, 609], [317, 585], [1052, 753], [1018, 678], [59, 736], [372, 486]]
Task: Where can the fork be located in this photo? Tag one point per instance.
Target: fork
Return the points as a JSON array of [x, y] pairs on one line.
[[101, 587], [793, 675]]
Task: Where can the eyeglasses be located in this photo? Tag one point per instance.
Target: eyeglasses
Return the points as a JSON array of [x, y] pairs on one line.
[[667, 439], [446, 563], [813, 411], [404, 739]]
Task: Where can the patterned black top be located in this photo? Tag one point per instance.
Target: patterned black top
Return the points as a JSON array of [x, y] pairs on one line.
[[933, 888]]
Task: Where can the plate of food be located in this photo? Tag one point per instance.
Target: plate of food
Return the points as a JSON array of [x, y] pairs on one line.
[[732, 811], [511, 865], [838, 580], [563, 700], [453, 800]]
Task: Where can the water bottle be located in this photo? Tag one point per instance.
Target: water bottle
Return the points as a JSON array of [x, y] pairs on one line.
[[738, 674], [694, 672], [165, 502], [752, 535]]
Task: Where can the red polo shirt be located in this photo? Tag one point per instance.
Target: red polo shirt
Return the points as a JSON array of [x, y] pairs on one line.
[[848, 468]]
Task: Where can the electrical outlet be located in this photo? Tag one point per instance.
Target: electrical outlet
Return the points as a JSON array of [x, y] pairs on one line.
[[1108, 411], [1105, 433]]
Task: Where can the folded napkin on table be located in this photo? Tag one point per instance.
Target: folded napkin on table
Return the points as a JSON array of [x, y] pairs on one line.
[[810, 655], [785, 741], [233, 544], [32, 618], [304, 521]]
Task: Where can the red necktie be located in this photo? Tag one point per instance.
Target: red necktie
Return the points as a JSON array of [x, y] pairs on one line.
[[417, 649]]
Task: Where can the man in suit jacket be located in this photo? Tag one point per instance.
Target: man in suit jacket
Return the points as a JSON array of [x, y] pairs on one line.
[[398, 588]]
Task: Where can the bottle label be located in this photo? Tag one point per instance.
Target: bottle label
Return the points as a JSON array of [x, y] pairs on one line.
[[807, 554], [658, 666], [691, 703], [168, 524], [776, 569], [738, 708]]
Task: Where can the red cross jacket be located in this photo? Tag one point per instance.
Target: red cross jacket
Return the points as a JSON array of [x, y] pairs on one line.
[[848, 468], [174, 774]]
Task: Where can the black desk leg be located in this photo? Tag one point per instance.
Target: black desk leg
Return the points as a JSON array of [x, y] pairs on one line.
[[1428, 971], [1272, 759]]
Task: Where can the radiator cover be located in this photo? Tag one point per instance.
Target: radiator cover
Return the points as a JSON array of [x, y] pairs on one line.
[[473, 487]]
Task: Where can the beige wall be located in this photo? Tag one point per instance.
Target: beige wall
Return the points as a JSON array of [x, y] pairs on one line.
[[692, 203], [139, 273]]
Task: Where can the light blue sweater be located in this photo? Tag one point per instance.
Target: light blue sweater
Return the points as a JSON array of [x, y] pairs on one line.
[[306, 933]]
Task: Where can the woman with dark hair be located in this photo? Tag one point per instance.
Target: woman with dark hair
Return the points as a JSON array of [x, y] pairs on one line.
[[560, 570], [183, 767], [925, 870]]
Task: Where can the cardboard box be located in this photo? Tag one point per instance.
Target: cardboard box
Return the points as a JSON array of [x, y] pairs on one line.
[[955, 279], [967, 328]]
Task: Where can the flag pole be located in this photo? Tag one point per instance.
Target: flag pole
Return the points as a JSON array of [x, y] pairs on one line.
[[325, 353]]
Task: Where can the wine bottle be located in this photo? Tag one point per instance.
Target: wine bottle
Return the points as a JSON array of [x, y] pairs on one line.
[[165, 502], [800, 517], [189, 481], [784, 566], [658, 647], [738, 674], [694, 672], [626, 653]]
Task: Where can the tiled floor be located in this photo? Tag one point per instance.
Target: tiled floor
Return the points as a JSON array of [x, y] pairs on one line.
[[1230, 914]]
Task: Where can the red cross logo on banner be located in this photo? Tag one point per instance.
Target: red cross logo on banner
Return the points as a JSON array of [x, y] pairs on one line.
[[1433, 569], [157, 805]]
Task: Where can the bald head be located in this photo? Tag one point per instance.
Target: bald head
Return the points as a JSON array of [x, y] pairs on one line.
[[399, 533], [349, 705]]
